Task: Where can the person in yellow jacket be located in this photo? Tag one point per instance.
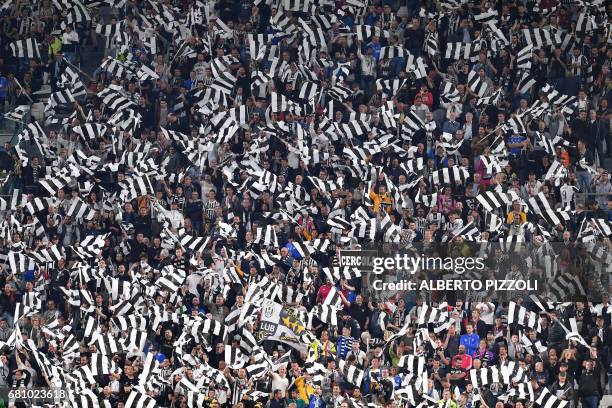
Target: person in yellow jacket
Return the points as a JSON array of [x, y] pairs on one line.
[[324, 347], [304, 387], [447, 400], [55, 45], [382, 200], [516, 213]]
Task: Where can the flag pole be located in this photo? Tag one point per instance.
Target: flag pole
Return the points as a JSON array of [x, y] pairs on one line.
[[77, 68], [23, 90]]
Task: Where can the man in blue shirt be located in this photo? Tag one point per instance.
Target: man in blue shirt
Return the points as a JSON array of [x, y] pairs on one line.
[[469, 340], [516, 143], [344, 343], [375, 45], [451, 125], [315, 399]]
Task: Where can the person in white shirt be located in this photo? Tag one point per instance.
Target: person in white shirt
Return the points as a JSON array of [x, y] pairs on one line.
[[567, 191], [368, 71], [193, 280], [70, 40], [532, 187], [357, 353], [175, 217], [420, 108], [70, 36], [280, 381]]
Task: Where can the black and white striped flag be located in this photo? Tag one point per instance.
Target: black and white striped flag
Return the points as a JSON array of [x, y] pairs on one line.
[[412, 123], [341, 272], [266, 236], [486, 376], [450, 93], [416, 66], [450, 175], [428, 200], [476, 85], [494, 99], [458, 50], [525, 83], [108, 30], [234, 358], [521, 316], [18, 113], [80, 210], [145, 73], [339, 92], [538, 37], [365, 32], [514, 124], [351, 373], [259, 78], [27, 48], [325, 313], [19, 262], [389, 86], [586, 23], [565, 287], [489, 16], [548, 400], [413, 364], [430, 45], [137, 399], [523, 58], [533, 348]]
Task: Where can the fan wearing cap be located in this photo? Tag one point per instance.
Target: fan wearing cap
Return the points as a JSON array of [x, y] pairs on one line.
[[601, 334], [564, 369], [563, 388]]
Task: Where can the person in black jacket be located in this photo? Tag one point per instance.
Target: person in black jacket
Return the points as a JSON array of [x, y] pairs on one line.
[[6, 161], [601, 334], [194, 210], [556, 72], [556, 333], [581, 130], [599, 132], [56, 69], [142, 223], [32, 173], [414, 37], [588, 385]]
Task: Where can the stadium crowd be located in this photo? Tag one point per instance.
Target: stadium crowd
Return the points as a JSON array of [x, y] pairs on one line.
[[222, 154]]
